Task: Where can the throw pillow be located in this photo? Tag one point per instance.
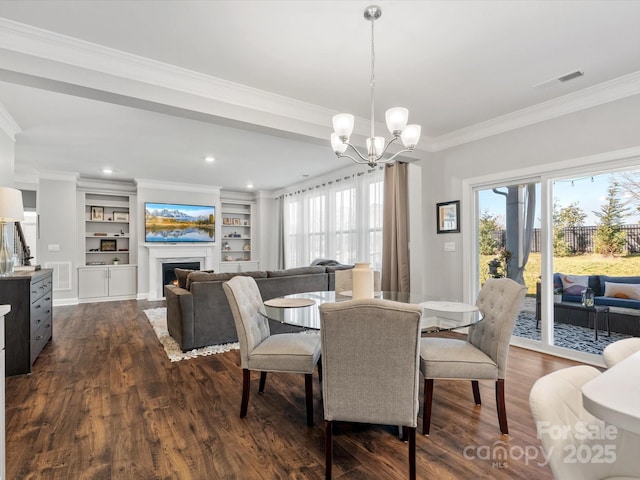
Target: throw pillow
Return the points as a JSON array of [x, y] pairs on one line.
[[622, 290], [574, 284], [181, 276]]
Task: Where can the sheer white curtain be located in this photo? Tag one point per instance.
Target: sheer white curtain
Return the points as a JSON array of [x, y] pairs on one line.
[[339, 220]]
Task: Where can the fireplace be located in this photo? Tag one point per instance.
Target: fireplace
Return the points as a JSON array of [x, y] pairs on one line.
[[159, 254], [169, 274]]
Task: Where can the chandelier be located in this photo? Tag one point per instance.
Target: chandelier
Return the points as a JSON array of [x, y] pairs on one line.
[[396, 119]]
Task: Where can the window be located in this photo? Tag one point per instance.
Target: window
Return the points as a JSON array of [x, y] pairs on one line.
[[340, 220]]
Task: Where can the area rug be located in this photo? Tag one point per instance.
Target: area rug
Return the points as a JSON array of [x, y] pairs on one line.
[[567, 336], [158, 319]]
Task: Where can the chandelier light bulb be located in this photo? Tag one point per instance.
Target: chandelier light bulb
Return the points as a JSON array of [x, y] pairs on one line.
[[343, 124], [338, 145], [397, 118], [378, 146], [410, 136]]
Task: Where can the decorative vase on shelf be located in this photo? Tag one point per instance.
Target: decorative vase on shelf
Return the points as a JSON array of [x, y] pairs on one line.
[[362, 286]]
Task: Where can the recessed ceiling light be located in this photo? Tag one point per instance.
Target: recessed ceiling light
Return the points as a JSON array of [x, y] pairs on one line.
[[209, 159], [249, 185], [107, 171]]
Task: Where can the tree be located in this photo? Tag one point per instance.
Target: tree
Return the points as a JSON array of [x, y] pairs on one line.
[[488, 244], [609, 238], [571, 216], [630, 185]]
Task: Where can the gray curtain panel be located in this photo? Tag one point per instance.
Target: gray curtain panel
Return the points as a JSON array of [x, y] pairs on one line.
[[395, 230]]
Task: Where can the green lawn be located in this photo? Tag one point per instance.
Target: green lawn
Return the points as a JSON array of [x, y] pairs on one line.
[[588, 264]]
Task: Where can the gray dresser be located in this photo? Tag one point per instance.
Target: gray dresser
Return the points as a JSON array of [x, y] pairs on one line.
[[28, 326]]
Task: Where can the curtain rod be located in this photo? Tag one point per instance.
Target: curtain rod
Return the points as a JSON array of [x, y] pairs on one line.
[[330, 182]]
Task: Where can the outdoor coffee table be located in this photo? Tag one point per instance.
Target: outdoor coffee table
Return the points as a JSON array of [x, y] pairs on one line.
[[595, 313]]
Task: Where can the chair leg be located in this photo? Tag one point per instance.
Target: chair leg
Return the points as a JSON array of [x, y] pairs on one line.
[[328, 448], [308, 388], [263, 381], [320, 369], [412, 452], [476, 392], [502, 408], [428, 400], [246, 387]]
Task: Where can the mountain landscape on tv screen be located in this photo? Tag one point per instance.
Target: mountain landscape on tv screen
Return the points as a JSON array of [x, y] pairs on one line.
[[179, 223]]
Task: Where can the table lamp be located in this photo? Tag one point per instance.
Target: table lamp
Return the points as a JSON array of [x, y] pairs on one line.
[[11, 211]]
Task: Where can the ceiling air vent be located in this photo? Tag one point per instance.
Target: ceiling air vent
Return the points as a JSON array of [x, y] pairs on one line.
[[571, 76], [562, 78]]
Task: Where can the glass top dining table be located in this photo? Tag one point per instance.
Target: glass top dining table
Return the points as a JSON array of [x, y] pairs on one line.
[[301, 309]]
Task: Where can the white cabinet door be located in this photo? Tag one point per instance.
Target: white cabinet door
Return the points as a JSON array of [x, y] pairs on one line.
[[122, 281], [93, 282]]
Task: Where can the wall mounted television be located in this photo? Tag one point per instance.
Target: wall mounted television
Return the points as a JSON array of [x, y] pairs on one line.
[[177, 223]]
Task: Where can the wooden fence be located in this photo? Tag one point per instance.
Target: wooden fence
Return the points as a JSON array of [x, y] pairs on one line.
[[580, 239]]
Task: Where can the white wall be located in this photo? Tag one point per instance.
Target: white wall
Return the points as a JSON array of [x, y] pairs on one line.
[[57, 204], [541, 148], [7, 155]]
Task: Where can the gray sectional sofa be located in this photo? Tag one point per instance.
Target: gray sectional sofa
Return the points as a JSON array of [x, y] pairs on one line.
[[198, 314]]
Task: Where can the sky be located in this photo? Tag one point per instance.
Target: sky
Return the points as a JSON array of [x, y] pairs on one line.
[[588, 192]]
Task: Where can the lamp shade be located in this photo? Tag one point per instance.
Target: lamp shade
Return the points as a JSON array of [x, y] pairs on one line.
[[411, 135], [338, 145], [11, 209], [378, 146], [396, 118], [343, 124]]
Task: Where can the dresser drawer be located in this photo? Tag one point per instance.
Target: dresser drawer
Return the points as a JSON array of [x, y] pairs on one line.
[[40, 288], [39, 339], [41, 311]]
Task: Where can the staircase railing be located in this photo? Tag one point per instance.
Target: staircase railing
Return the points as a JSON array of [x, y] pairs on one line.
[[21, 249]]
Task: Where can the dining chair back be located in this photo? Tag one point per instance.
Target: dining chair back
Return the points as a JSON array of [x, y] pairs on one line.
[[263, 352], [577, 444], [370, 366], [617, 351], [483, 355]]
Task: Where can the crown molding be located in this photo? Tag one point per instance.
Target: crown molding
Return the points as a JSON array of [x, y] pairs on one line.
[[33, 41], [284, 111], [602, 93], [7, 124], [58, 175], [181, 187]]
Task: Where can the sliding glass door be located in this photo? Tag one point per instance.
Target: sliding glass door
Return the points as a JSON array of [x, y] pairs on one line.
[[562, 237]]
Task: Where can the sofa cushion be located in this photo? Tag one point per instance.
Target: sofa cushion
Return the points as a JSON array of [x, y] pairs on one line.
[[622, 290], [202, 276], [606, 278], [574, 284], [295, 271], [617, 302]]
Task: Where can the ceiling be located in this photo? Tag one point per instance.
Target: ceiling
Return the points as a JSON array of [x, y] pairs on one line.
[[254, 83]]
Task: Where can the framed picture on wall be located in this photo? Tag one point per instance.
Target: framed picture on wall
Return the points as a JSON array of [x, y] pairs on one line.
[[448, 217], [107, 245], [120, 216], [97, 213]]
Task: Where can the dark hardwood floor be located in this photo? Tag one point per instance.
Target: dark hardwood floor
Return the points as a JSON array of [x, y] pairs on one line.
[[104, 402]]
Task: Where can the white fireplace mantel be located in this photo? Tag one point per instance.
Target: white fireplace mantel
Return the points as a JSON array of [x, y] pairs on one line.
[[163, 253]]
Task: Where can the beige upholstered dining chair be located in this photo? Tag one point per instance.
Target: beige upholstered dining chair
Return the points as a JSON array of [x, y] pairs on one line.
[[617, 351], [370, 367], [577, 444], [263, 352], [344, 280], [483, 355]]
